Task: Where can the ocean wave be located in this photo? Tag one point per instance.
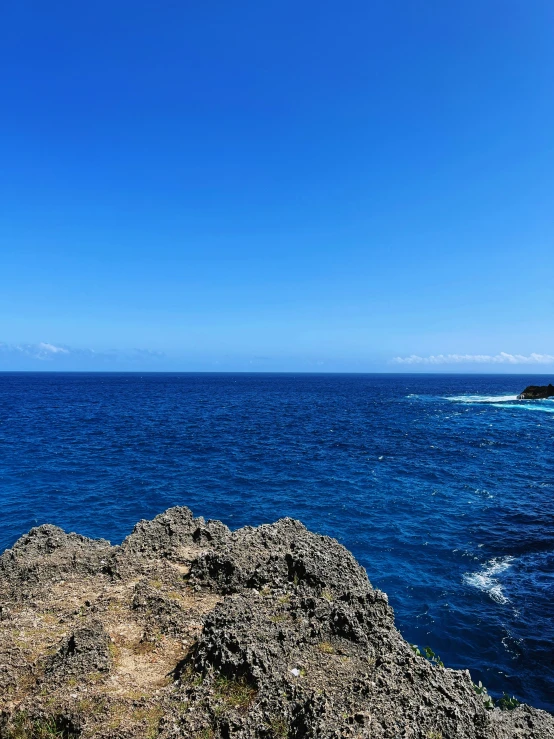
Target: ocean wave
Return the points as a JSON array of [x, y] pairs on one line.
[[486, 581], [482, 398], [534, 405]]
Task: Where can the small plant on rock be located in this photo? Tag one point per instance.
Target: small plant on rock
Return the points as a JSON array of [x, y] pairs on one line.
[[326, 647], [24, 727], [482, 691], [428, 654], [506, 703], [279, 618], [235, 693], [433, 657], [278, 728], [207, 733]]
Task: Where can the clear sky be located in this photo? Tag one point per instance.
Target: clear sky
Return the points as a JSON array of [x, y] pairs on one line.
[[277, 185]]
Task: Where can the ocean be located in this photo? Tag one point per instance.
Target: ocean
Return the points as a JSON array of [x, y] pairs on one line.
[[441, 485]]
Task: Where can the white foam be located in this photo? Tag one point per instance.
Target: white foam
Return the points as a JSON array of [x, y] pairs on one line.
[[486, 581], [533, 406], [482, 398]]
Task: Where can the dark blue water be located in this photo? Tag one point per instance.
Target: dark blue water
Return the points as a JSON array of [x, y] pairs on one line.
[[441, 488]]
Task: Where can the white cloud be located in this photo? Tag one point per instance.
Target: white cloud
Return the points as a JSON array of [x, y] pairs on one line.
[[43, 350], [502, 358], [46, 352], [51, 349]]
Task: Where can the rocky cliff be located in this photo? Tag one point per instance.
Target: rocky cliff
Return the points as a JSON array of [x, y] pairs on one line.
[[537, 392], [190, 630]]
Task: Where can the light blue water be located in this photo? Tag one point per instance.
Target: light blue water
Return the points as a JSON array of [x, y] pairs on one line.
[[442, 486]]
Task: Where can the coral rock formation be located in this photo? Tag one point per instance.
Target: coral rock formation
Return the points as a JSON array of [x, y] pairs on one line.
[[190, 630]]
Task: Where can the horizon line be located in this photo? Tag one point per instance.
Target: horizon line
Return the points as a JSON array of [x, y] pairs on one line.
[[252, 372]]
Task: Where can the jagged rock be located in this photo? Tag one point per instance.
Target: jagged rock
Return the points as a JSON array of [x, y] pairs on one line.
[[172, 534], [84, 651], [537, 392], [190, 631], [48, 553]]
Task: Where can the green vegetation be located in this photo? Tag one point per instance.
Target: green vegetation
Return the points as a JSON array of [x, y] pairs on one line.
[[482, 691], [151, 716], [278, 728], [207, 733], [432, 657], [237, 694], [279, 618], [189, 676], [114, 650], [506, 703], [50, 727], [428, 654], [326, 647], [92, 706]]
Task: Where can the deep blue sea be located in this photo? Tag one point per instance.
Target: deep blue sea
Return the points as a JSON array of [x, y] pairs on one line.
[[441, 485]]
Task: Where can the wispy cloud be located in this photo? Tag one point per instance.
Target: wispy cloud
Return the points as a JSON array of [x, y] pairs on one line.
[[145, 354], [502, 358], [44, 351], [47, 349]]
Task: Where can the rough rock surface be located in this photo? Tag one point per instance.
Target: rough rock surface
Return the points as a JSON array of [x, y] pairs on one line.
[[190, 630], [537, 392]]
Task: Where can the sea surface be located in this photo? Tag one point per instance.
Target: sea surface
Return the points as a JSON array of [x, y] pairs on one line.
[[441, 485]]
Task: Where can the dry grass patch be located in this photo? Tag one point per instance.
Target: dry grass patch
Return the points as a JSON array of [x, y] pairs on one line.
[[238, 694], [23, 726], [326, 647]]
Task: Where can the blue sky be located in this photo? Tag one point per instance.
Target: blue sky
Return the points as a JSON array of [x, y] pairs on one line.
[[315, 186]]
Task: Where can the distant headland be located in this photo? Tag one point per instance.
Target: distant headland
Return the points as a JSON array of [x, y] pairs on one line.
[[537, 392]]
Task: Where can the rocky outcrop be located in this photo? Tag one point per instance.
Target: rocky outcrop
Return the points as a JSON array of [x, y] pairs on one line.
[[84, 651], [537, 392], [189, 630]]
